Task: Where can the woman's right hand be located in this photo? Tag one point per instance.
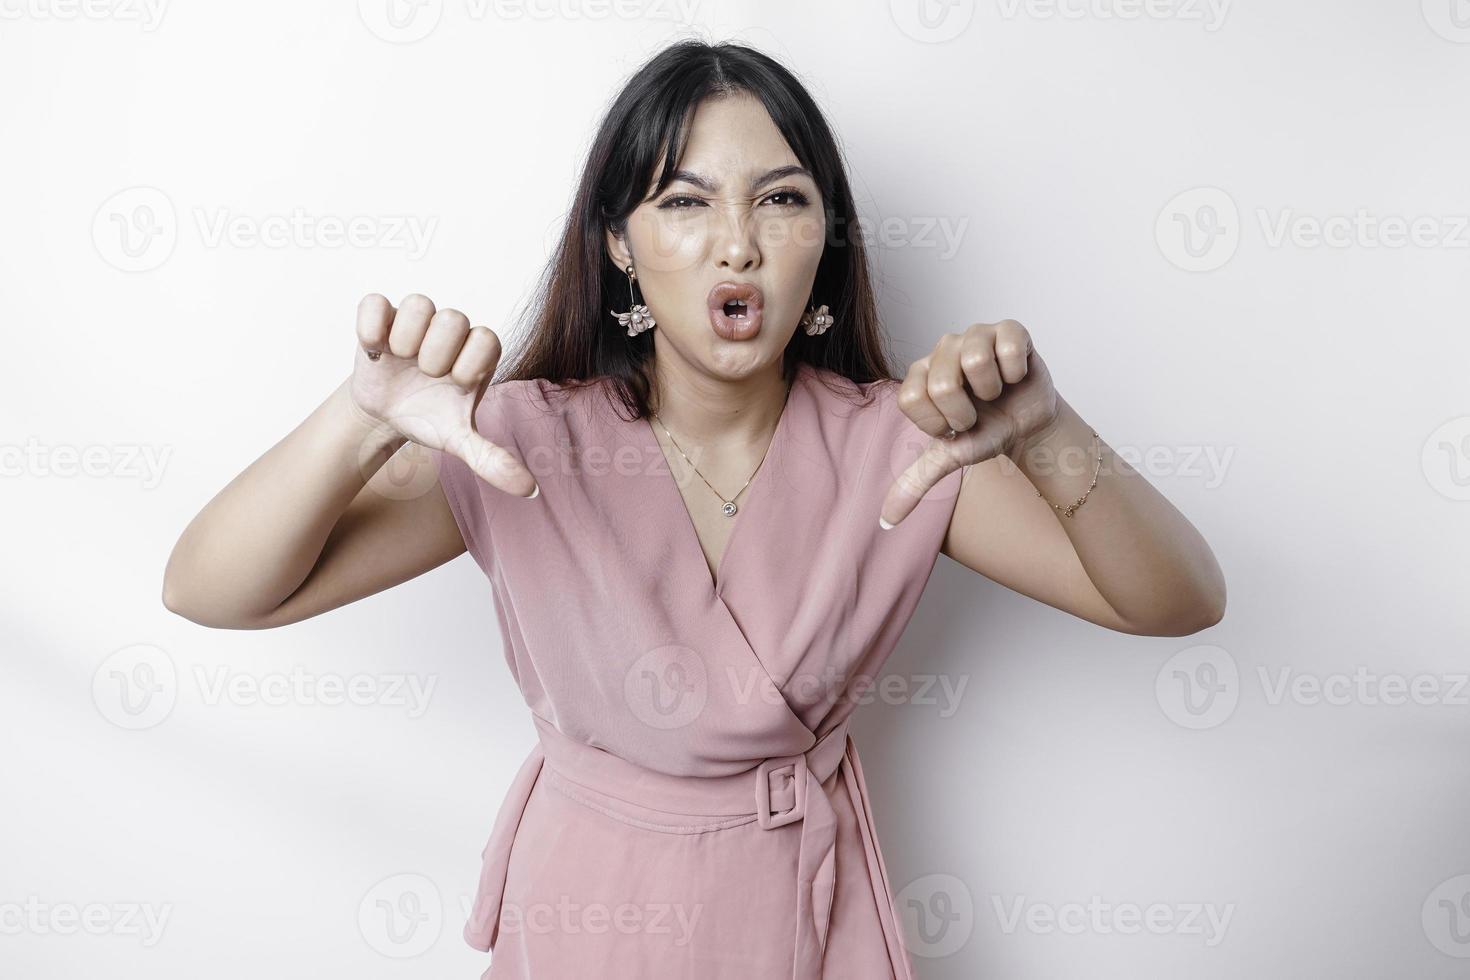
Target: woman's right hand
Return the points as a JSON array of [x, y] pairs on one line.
[[427, 380]]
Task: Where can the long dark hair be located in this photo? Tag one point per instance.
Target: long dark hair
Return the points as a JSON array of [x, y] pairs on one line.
[[574, 338]]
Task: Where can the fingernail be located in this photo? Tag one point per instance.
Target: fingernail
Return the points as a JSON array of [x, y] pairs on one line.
[[534, 493], [884, 524]]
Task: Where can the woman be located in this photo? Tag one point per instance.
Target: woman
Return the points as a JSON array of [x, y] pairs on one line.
[[707, 509]]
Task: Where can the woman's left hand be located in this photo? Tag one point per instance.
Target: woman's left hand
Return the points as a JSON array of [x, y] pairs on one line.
[[988, 384]]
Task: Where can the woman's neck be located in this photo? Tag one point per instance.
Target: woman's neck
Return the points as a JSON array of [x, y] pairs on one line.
[[715, 412]]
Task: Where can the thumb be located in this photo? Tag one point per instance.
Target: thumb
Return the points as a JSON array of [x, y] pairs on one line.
[[494, 464], [934, 464]]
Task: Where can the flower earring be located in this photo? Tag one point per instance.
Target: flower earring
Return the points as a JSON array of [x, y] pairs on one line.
[[816, 321], [638, 319]]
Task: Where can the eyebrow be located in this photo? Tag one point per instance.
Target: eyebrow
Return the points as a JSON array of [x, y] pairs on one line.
[[710, 185]]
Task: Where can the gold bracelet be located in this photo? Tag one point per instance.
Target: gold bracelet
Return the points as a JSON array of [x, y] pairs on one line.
[[1072, 507]]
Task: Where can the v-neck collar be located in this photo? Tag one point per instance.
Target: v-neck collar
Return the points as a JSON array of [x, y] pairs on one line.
[[670, 488]]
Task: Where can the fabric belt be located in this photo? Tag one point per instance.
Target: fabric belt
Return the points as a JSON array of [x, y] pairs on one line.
[[780, 790]]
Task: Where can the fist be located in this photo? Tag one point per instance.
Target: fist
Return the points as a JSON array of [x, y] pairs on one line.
[[424, 371], [982, 392]]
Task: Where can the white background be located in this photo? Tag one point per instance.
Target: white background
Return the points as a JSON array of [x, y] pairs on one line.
[[1305, 405]]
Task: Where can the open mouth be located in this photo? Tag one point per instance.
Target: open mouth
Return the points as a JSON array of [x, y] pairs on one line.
[[735, 309]]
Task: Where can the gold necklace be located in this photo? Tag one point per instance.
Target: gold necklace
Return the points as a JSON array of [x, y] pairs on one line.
[[728, 509]]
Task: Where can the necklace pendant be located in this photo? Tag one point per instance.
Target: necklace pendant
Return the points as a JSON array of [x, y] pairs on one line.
[[729, 508]]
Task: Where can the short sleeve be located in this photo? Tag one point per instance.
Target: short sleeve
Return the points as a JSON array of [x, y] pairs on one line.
[[458, 481], [472, 501], [897, 443]]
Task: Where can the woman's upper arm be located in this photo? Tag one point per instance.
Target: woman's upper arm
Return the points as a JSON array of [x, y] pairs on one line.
[[391, 532], [1002, 530]]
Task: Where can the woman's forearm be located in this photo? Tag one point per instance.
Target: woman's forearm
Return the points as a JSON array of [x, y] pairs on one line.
[[1145, 558], [256, 541]]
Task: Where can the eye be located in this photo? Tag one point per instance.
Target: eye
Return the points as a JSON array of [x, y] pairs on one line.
[[796, 198], [672, 203]]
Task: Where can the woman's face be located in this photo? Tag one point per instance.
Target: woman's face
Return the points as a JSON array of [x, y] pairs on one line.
[[741, 210]]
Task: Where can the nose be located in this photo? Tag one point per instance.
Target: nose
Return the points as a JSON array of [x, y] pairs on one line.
[[736, 247]]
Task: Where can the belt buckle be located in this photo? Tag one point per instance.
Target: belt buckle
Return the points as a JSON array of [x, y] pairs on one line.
[[763, 773]]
